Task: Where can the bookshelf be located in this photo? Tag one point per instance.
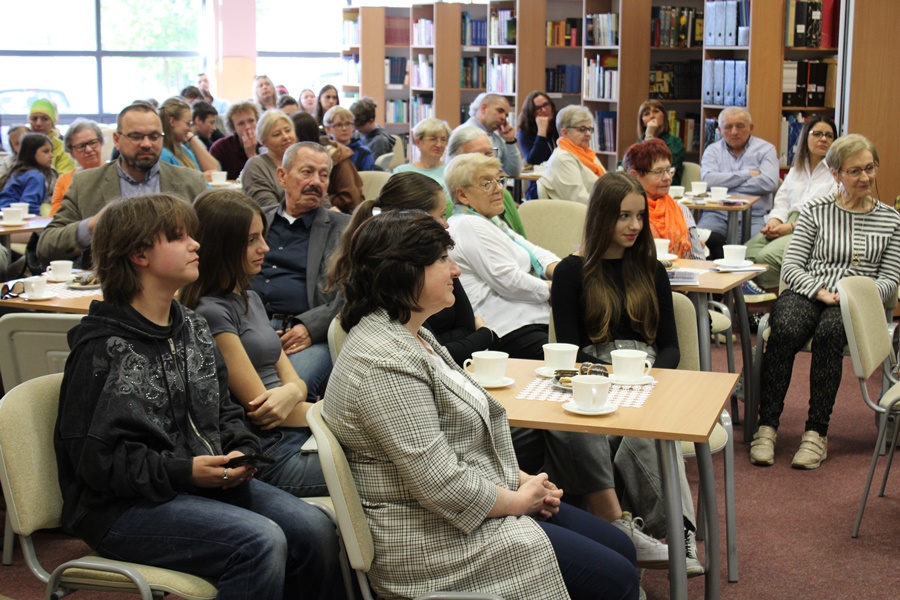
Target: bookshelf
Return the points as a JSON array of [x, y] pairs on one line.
[[376, 46]]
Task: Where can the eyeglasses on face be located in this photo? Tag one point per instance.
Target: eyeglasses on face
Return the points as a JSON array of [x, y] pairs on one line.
[[538, 107], [7, 292], [660, 173], [344, 125], [870, 169], [435, 140], [137, 138], [818, 134], [583, 130], [92, 144], [488, 184]]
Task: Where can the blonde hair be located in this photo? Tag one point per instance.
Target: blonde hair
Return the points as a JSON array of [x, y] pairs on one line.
[[462, 170], [173, 109]]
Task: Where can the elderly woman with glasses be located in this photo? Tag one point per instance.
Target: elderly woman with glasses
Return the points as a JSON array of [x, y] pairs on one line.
[[84, 141], [573, 167], [259, 178], [430, 137], [651, 163], [848, 232], [506, 276]]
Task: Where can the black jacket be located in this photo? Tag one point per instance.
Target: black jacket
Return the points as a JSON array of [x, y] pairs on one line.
[[137, 403]]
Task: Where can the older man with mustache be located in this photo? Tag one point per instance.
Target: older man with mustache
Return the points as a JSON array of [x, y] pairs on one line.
[[302, 235]]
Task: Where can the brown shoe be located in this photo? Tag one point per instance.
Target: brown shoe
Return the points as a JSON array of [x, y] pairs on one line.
[[762, 448], [813, 450]]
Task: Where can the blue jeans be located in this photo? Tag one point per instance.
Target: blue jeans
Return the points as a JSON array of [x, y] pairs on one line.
[[255, 540], [313, 365], [294, 472], [596, 559]]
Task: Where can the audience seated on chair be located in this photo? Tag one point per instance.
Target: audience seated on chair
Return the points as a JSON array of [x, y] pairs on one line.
[[259, 178], [573, 167], [653, 123], [344, 184], [537, 133], [234, 151], [84, 141]]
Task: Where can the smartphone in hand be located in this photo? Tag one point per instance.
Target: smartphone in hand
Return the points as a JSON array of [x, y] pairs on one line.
[[251, 460]]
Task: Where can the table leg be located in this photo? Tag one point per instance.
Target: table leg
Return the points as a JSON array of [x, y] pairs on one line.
[[517, 191], [747, 355], [711, 508], [668, 467], [733, 236], [701, 305], [746, 224]]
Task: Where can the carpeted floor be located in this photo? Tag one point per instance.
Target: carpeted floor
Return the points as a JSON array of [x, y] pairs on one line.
[[793, 526]]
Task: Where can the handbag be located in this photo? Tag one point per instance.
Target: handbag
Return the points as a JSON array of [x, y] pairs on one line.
[[602, 351]]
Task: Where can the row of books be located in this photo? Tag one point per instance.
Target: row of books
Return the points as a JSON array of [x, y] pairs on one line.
[[421, 74], [791, 125], [678, 80], [396, 111], [502, 74], [350, 32], [503, 27], [473, 72], [601, 77], [711, 133], [686, 129], [564, 33], [421, 107], [726, 23], [811, 23], [350, 69], [395, 70], [564, 79], [601, 29], [473, 31], [676, 27], [809, 82], [396, 31], [423, 32], [604, 138], [725, 82]]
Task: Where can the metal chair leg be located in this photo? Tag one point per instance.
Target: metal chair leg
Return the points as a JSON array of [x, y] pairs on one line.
[[882, 427], [887, 468]]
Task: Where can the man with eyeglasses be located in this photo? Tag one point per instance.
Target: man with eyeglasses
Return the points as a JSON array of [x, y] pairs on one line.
[[136, 172], [745, 165], [489, 113]]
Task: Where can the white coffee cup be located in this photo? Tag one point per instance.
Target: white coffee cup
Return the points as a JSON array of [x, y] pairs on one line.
[[36, 287], [718, 193], [489, 366], [560, 356], [60, 270], [662, 246], [219, 176], [734, 254], [630, 366], [13, 215], [698, 187], [590, 392], [676, 191], [23, 206]]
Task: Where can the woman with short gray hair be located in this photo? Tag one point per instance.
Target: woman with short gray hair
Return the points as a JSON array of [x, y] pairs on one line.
[[573, 167], [84, 141], [430, 138], [259, 178]]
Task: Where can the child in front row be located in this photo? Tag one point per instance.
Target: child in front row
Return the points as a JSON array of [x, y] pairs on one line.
[[146, 426]]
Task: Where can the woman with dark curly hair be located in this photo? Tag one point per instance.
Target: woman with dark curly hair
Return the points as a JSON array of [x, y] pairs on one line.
[[537, 132]]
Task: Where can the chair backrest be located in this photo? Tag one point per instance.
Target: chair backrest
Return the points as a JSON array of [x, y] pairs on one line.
[[555, 225], [347, 506], [688, 338], [690, 173], [373, 181], [336, 337], [399, 152], [32, 345], [384, 161], [867, 334], [27, 458]]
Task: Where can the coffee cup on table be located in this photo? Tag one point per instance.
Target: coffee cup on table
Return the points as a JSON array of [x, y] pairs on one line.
[[35, 287], [219, 177], [60, 270], [23, 206], [734, 255], [558, 357], [676, 191], [718, 193], [489, 366], [12, 215], [698, 187], [630, 366], [662, 246], [590, 392]]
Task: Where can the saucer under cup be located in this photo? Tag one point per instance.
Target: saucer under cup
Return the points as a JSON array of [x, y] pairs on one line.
[[488, 367], [630, 366], [590, 392]]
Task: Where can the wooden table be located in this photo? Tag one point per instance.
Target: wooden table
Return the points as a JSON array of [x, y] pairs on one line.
[[77, 305], [715, 282], [525, 175], [684, 405], [734, 235], [30, 226]]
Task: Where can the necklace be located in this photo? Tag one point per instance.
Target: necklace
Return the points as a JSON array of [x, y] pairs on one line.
[[855, 260]]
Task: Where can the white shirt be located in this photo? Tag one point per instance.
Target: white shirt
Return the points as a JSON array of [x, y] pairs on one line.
[[496, 274], [799, 187]]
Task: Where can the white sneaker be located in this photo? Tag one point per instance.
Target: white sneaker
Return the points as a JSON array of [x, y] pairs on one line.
[[694, 568], [651, 553]]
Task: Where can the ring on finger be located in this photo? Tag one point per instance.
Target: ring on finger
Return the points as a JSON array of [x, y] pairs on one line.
[[225, 474]]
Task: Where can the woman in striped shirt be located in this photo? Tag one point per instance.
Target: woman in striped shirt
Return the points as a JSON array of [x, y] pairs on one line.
[[845, 233]]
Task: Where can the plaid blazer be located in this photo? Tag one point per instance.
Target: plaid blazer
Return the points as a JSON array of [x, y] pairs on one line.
[[427, 458]]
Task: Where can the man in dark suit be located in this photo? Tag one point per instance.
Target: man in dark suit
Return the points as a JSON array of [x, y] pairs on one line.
[[302, 235], [137, 172]]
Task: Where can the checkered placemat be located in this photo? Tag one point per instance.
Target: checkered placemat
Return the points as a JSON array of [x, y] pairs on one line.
[[632, 396], [61, 291]]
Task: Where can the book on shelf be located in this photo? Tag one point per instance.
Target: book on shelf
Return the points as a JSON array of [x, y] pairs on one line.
[[831, 10], [503, 27], [601, 76], [830, 81], [395, 70], [396, 31], [564, 33], [502, 74], [811, 23], [421, 107], [350, 69], [422, 72], [681, 80], [564, 79], [423, 32], [473, 72], [676, 27], [791, 125], [351, 31], [601, 29], [725, 82], [396, 111], [604, 138], [473, 31]]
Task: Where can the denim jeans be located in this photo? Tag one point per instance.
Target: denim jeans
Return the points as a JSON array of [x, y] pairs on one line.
[[255, 540], [595, 558], [294, 472], [312, 364]]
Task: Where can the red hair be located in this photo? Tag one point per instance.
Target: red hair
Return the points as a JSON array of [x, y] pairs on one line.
[[642, 155]]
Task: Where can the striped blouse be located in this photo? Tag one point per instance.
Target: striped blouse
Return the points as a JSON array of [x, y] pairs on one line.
[[821, 252]]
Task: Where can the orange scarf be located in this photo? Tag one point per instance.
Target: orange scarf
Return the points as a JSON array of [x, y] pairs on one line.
[[587, 156], [667, 222]]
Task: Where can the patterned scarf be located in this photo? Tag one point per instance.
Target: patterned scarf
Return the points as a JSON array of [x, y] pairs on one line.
[[537, 269]]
